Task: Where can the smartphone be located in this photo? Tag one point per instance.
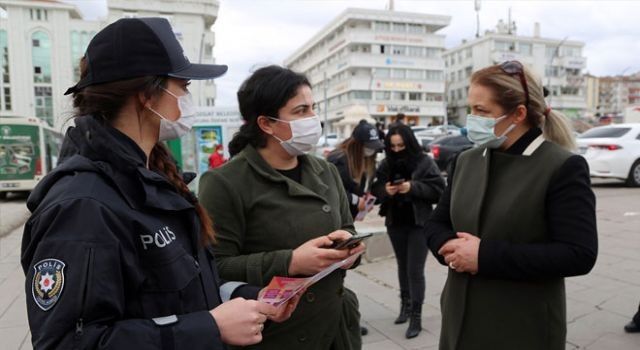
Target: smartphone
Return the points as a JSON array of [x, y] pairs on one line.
[[350, 243], [397, 181]]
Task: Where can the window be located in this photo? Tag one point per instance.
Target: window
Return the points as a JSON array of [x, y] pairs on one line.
[[398, 73], [415, 51], [414, 74], [381, 72], [415, 96], [399, 50], [434, 52], [210, 101], [41, 57], [382, 48], [433, 97], [525, 49], [415, 28], [436, 75], [360, 95], [44, 103], [467, 72], [467, 52], [399, 27], [5, 80], [383, 95], [399, 95], [550, 51], [382, 26], [503, 45]]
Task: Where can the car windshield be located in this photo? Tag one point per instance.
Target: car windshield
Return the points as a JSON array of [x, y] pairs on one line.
[[604, 132]]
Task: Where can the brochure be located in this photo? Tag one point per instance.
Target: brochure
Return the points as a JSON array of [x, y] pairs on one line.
[[281, 289]]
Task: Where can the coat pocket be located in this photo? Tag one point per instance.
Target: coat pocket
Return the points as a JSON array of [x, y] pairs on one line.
[[167, 277]]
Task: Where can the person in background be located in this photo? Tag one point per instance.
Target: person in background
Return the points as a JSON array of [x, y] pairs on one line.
[[355, 159], [380, 127], [115, 251], [407, 184], [517, 218], [399, 120], [277, 211], [216, 158]]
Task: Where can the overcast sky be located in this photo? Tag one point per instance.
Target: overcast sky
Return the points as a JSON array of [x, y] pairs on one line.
[[258, 32]]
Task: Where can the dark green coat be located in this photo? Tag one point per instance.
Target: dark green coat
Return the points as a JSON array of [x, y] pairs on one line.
[[500, 196], [260, 216]]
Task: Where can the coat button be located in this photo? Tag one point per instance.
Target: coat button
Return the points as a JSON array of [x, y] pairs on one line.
[[326, 208], [302, 337], [310, 297]]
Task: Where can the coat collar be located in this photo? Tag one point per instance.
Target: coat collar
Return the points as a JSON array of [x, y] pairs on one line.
[[312, 184]]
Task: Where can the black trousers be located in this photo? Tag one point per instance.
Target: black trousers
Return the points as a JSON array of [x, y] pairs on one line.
[[636, 317], [410, 246]]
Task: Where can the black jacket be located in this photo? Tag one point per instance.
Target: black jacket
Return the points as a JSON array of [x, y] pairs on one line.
[[109, 247], [354, 190], [426, 187]]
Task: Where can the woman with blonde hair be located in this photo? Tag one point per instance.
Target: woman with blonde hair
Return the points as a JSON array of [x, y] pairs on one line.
[[517, 218]]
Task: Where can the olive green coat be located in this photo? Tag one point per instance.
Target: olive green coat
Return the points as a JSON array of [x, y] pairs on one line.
[[260, 216], [500, 196]]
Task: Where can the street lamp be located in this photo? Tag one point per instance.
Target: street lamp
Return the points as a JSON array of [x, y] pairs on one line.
[[326, 108], [555, 53], [619, 90]]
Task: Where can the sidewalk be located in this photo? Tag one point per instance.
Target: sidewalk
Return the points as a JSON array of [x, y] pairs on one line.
[[598, 305]]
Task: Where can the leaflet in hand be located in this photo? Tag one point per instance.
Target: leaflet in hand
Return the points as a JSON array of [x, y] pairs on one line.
[[369, 201], [281, 289]]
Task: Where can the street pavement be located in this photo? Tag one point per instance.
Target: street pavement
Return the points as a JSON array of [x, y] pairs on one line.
[[598, 304]]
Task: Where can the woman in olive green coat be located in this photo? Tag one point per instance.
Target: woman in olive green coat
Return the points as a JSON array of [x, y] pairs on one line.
[[276, 210]]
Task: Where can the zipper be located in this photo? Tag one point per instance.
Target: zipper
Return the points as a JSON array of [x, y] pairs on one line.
[[85, 292]]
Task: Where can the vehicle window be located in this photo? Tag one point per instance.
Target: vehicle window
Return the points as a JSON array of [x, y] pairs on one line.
[[604, 132]]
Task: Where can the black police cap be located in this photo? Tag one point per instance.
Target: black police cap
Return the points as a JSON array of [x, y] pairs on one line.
[[136, 47]]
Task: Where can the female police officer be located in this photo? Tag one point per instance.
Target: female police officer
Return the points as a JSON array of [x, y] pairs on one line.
[[114, 253]]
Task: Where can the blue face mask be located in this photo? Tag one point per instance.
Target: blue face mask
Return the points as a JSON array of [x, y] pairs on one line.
[[480, 131]]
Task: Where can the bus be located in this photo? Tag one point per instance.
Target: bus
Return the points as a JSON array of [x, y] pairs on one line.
[[29, 150]]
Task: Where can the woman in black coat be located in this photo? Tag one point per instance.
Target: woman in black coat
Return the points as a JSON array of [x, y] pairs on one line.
[[407, 184]]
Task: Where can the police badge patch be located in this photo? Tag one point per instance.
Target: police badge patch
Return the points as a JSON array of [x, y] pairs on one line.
[[48, 281]]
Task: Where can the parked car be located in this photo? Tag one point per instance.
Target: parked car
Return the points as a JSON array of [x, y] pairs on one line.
[[444, 149], [613, 151], [426, 135], [332, 142]]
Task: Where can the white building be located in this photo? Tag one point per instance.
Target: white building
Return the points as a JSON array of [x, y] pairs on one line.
[[42, 41], [385, 60], [559, 63]]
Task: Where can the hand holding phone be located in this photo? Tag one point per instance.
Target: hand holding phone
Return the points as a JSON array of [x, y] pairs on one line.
[[350, 243]]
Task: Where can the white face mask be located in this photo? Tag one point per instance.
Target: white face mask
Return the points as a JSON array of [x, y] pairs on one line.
[[481, 131], [169, 129], [305, 133], [368, 152]]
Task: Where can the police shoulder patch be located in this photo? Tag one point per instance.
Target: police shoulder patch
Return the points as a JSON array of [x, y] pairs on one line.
[[48, 282]]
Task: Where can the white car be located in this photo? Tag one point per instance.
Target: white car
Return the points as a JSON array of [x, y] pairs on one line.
[[613, 151]]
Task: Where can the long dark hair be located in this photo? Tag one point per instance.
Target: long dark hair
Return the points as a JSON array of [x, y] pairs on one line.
[[105, 101], [411, 144], [266, 91]]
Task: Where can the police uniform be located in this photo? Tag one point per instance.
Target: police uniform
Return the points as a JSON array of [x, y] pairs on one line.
[[112, 254]]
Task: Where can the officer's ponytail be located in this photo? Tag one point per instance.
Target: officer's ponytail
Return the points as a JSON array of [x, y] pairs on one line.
[[161, 161]]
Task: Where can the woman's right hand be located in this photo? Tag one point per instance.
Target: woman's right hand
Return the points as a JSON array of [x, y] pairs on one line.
[[391, 189], [241, 321], [315, 255]]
